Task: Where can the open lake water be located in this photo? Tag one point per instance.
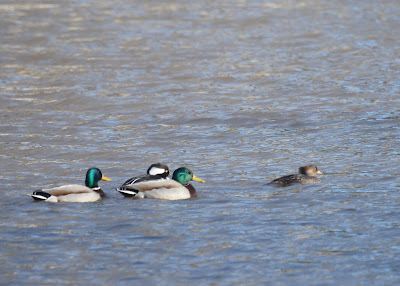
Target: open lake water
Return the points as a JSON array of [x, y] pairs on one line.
[[241, 92]]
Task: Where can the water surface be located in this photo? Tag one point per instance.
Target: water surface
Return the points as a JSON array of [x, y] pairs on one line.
[[239, 91]]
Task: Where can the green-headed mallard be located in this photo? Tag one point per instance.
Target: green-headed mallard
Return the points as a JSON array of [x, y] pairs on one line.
[[75, 193], [179, 188], [306, 175]]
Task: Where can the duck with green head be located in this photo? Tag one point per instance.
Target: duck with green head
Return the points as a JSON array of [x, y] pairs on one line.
[[91, 192], [179, 188]]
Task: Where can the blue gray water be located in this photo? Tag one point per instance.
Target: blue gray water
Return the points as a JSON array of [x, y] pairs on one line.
[[241, 92]]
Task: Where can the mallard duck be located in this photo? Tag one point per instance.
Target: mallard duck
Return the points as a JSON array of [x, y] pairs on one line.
[[75, 193], [179, 188], [306, 175]]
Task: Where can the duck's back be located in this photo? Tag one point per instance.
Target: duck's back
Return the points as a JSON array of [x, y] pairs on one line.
[[286, 180], [293, 179], [139, 179], [68, 189]]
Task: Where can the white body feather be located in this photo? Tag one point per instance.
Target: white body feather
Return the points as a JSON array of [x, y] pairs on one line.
[[72, 193], [167, 194], [161, 189]]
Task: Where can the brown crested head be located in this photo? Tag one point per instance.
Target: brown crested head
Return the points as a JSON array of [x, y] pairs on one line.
[[310, 170]]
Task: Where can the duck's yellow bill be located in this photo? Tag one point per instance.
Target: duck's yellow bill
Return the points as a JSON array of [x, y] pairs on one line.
[[197, 179], [319, 172], [104, 178]]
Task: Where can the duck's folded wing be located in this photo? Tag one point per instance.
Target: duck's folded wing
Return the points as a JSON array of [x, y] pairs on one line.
[[289, 179], [133, 180], [67, 189], [136, 180]]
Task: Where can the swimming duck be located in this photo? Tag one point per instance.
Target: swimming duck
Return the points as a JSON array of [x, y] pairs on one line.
[[306, 175], [155, 171], [179, 188], [75, 193]]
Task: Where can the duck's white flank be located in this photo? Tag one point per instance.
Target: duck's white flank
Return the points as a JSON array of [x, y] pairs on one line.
[[71, 193], [162, 189]]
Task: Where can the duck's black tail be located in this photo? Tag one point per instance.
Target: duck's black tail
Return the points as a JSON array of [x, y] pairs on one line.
[[127, 192], [40, 196]]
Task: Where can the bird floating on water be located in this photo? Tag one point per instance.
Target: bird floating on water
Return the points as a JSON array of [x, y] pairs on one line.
[[306, 175], [179, 188], [91, 192]]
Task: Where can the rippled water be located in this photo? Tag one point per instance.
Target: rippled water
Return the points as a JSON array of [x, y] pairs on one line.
[[239, 91]]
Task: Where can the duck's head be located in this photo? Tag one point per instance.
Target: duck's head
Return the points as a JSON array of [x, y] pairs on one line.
[[184, 176], [158, 169], [93, 176], [309, 170]]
